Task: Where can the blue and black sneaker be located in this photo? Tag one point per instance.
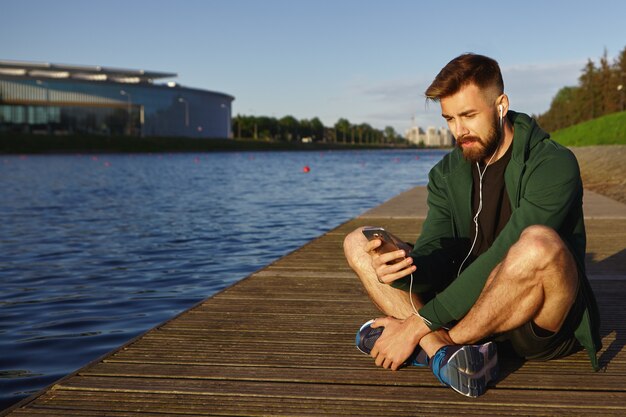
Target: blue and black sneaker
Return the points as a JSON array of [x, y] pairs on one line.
[[367, 336], [467, 369]]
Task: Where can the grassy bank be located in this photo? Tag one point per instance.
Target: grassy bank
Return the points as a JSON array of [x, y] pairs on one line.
[[85, 143], [606, 130]]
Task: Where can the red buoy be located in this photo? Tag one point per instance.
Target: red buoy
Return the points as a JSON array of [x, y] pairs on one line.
[[306, 169]]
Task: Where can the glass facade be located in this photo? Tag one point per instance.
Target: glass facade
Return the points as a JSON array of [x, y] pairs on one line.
[[65, 106]]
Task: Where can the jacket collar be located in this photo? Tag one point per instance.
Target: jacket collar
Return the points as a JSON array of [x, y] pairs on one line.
[[527, 134]]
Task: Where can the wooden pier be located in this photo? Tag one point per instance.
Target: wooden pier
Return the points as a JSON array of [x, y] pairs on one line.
[[281, 343]]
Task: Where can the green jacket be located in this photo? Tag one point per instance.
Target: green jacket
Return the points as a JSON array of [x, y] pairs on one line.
[[544, 186]]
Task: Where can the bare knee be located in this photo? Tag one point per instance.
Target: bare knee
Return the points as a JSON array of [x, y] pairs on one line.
[[539, 249], [540, 260], [541, 246]]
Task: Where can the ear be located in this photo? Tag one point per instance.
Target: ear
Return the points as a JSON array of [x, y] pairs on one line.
[[503, 100]]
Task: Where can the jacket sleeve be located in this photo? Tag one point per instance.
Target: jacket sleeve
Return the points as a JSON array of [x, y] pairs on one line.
[[549, 188], [434, 253]]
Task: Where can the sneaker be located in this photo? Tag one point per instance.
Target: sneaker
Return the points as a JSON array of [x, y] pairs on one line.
[[467, 369], [367, 336]]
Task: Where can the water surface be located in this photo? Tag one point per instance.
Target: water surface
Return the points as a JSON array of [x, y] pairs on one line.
[[96, 249]]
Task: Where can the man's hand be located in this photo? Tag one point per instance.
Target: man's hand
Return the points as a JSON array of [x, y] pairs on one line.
[[398, 340], [389, 266]]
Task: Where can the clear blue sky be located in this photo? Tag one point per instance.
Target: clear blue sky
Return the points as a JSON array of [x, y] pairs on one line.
[[368, 61]]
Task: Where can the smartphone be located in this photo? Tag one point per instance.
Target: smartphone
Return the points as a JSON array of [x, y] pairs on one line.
[[388, 245]]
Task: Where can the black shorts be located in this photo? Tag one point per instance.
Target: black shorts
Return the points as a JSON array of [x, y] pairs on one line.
[[533, 344]]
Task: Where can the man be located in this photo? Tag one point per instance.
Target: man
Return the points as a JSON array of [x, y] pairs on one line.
[[501, 253]]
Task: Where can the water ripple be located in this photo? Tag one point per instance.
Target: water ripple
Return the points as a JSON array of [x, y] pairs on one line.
[[93, 255]]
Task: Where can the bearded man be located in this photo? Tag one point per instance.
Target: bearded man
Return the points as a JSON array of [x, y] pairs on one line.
[[501, 254]]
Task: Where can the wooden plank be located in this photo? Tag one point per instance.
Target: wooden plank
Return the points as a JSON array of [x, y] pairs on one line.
[[281, 342], [564, 379], [83, 403], [567, 399]]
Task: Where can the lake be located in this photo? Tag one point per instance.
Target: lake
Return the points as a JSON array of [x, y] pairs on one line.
[[97, 249]]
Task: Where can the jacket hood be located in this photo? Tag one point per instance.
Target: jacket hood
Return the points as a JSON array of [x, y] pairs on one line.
[[527, 135]]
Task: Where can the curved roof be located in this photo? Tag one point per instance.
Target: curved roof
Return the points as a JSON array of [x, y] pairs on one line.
[[82, 72]]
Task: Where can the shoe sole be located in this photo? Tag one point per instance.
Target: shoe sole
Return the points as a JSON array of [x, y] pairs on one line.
[[471, 369], [365, 345]]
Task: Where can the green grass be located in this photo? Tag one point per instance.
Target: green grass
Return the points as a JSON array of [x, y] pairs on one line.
[[605, 130]]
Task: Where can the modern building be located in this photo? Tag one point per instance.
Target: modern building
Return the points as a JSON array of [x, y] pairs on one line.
[[432, 137], [64, 99]]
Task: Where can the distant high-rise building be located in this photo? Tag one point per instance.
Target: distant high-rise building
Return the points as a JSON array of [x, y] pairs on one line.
[[432, 137], [415, 135]]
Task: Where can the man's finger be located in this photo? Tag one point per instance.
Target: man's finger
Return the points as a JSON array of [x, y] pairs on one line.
[[379, 322], [392, 256], [380, 359], [400, 274], [372, 245]]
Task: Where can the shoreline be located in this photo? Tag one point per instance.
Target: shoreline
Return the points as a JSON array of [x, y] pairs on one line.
[[37, 144], [601, 166]]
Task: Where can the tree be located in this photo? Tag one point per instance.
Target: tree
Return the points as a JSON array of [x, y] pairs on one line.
[[267, 127], [390, 134], [620, 67], [606, 86], [343, 126], [598, 93], [244, 126], [317, 129], [290, 128], [365, 133], [588, 81]]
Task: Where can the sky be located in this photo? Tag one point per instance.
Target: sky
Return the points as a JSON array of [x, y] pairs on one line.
[[363, 60]]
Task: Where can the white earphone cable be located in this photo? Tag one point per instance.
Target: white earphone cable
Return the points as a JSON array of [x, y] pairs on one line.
[[480, 207], [411, 297]]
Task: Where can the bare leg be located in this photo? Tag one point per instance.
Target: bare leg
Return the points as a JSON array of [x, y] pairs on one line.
[[391, 301], [537, 280]]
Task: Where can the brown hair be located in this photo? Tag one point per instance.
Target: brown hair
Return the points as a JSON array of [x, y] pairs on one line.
[[463, 70]]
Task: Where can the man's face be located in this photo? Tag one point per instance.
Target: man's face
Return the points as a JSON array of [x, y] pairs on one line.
[[473, 120]]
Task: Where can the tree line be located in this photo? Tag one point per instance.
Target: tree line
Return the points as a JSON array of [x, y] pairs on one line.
[[290, 129], [600, 91]]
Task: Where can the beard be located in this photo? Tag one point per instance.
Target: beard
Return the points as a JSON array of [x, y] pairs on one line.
[[483, 148]]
